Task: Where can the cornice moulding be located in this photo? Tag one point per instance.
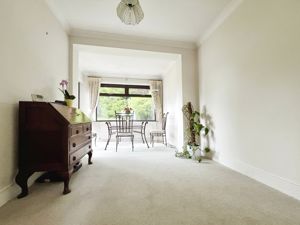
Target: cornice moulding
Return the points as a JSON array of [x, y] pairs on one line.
[[219, 20], [132, 39]]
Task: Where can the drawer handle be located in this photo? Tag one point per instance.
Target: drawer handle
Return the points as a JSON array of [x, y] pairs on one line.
[[74, 158], [77, 131], [89, 137], [87, 129], [74, 145], [89, 146]]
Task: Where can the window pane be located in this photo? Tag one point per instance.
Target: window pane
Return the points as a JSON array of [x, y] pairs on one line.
[[112, 90], [138, 91], [142, 107], [109, 105]]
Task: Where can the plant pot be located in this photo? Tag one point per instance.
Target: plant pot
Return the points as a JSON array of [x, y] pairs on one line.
[[189, 148], [69, 102], [194, 150]]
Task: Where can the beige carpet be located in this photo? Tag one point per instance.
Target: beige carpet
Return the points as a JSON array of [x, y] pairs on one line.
[[152, 187]]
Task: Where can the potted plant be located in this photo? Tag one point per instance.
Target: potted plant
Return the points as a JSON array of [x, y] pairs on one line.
[[68, 98], [194, 129]]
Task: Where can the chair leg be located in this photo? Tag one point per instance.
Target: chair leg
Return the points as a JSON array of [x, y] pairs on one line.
[[166, 140], [132, 145], [117, 142], [142, 137], [152, 140], [107, 143], [146, 140]]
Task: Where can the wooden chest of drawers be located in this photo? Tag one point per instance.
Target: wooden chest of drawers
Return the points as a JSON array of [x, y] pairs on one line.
[[53, 138]]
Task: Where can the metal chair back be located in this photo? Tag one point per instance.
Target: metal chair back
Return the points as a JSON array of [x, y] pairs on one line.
[[124, 123]]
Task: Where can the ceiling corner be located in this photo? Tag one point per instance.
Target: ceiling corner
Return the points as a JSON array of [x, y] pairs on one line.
[[219, 20], [59, 16]]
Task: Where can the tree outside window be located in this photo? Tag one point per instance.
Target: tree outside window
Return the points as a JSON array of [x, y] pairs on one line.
[[114, 98]]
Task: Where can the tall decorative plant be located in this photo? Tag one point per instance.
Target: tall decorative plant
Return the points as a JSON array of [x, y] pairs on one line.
[[194, 129]]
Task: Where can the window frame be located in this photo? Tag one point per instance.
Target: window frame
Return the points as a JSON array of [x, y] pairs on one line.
[[125, 95]]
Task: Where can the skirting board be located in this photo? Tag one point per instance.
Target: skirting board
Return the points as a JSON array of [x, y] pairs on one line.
[[283, 185], [11, 191]]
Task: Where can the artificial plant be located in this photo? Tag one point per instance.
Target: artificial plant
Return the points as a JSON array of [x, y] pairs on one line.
[[194, 127], [64, 90]]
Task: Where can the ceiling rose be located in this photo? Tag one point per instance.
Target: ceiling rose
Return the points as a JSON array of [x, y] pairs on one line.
[[130, 12]]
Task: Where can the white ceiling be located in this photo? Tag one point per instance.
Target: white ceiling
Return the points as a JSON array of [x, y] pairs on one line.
[[123, 63], [183, 20]]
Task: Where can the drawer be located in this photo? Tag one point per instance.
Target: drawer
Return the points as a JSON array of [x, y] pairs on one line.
[[87, 128], [76, 129], [78, 141], [77, 155]]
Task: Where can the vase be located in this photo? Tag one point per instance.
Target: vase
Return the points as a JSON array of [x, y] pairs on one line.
[[69, 102]]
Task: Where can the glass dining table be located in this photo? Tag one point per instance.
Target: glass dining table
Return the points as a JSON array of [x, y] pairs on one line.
[[139, 126]]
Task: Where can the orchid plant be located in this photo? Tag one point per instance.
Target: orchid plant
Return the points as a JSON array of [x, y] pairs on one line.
[[63, 89]]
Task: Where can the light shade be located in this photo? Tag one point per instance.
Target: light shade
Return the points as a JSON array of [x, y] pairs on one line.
[[130, 12]]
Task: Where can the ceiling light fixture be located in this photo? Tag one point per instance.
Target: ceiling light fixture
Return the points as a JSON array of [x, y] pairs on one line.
[[130, 12]]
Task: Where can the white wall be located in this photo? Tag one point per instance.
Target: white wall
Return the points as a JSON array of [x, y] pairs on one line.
[[250, 79], [172, 103], [31, 62]]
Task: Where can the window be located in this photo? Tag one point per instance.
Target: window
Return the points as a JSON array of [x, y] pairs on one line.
[[115, 97]]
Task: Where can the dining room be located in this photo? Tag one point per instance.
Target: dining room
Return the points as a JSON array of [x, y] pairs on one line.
[[133, 97]]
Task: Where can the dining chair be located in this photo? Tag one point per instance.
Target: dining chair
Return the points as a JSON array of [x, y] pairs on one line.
[[110, 131], [124, 125], [160, 133], [141, 129]]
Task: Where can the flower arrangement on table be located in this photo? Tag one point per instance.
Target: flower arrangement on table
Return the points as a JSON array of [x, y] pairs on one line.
[[128, 109], [68, 98]]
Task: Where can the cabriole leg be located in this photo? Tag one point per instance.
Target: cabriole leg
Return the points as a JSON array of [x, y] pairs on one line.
[[21, 180], [66, 177], [90, 154]]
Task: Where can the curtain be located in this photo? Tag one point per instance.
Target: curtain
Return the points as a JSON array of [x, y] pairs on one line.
[[156, 88], [94, 90]]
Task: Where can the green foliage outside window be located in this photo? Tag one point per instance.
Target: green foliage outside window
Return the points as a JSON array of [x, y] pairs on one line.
[[108, 105], [142, 108]]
